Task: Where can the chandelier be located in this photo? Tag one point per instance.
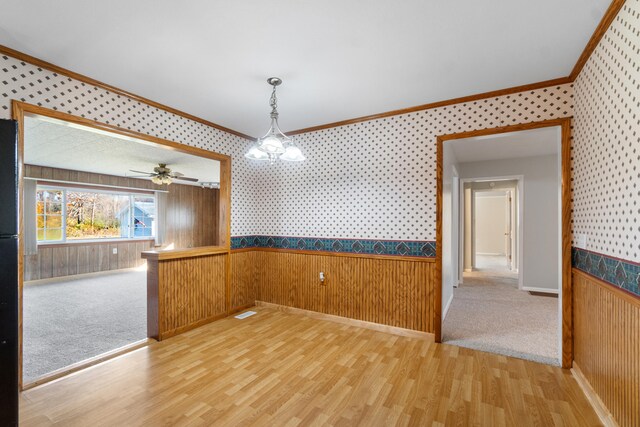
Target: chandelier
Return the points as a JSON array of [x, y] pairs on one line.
[[274, 144]]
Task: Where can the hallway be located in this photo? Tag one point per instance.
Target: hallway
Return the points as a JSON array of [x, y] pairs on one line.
[[489, 313], [493, 263]]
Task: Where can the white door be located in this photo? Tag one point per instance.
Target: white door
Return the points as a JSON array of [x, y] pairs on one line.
[[455, 228], [511, 231]]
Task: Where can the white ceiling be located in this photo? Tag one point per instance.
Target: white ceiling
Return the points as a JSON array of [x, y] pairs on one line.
[[338, 59], [511, 145], [57, 144]]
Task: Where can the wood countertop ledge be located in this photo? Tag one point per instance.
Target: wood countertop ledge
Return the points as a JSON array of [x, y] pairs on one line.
[[184, 253]]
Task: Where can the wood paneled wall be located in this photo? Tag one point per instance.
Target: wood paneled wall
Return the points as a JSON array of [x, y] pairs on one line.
[[243, 279], [192, 221], [607, 345], [68, 260], [192, 216], [41, 172], [185, 293], [395, 292]]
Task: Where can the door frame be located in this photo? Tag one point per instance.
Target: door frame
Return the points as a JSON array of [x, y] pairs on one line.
[[519, 217], [21, 109], [565, 176]]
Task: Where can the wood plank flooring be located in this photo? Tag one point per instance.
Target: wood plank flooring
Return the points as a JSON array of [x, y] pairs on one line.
[[282, 369]]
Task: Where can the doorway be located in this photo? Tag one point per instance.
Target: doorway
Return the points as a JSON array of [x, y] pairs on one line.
[[91, 203], [497, 229], [492, 230], [490, 224]]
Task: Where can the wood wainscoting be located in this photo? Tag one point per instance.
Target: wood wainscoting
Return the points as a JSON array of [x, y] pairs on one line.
[[185, 289], [607, 345], [69, 260], [243, 279], [394, 291]]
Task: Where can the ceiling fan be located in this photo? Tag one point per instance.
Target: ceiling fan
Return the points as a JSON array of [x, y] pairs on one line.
[[162, 175]]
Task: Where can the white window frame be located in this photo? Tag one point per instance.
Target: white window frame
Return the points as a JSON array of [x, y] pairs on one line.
[[44, 215], [130, 231]]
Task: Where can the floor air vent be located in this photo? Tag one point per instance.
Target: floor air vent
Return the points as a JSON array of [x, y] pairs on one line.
[[245, 314]]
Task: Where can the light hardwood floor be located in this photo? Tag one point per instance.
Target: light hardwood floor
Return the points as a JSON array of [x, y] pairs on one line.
[[282, 369]]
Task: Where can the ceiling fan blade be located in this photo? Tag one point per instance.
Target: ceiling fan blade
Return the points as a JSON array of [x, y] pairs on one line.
[[184, 178], [148, 173], [137, 176], [177, 174]]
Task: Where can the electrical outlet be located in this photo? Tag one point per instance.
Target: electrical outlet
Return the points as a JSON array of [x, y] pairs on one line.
[[322, 278], [581, 241], [115, 250]]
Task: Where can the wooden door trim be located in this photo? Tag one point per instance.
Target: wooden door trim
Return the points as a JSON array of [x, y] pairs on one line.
[[565, 153], [22, 109]]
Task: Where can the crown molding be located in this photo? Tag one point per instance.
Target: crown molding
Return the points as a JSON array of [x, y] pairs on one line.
[[468, 98], [605, 22], [601, 29], [21, 56]]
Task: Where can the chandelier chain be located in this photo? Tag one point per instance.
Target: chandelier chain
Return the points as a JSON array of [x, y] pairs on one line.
[[273, 102]]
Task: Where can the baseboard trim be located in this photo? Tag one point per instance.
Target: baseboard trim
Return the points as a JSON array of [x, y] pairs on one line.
[[241, 308], [87, 363], [596, 403], [540, 290], [182, 329], [79, 276], [394, 330], [447, 307]]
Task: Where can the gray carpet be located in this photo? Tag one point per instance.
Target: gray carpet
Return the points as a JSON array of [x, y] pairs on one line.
[[70, 319], [489, 313]]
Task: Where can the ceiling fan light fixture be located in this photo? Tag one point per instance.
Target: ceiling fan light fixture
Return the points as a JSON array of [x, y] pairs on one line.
[[162, 169], [162, 175]]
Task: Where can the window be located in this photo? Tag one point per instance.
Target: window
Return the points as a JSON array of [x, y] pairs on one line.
[[49, 215], [70, 214], [143, 218]]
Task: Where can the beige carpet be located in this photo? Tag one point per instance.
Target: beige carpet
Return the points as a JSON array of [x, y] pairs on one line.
[[70, 319], [489, 313]]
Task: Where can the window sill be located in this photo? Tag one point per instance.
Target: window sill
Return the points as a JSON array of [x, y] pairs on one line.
[[92, 242]]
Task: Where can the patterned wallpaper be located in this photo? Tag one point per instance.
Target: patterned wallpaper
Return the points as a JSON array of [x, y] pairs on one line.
[[370, 187], [606, 153], [26, 82], [376, 179], [371, 180]]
